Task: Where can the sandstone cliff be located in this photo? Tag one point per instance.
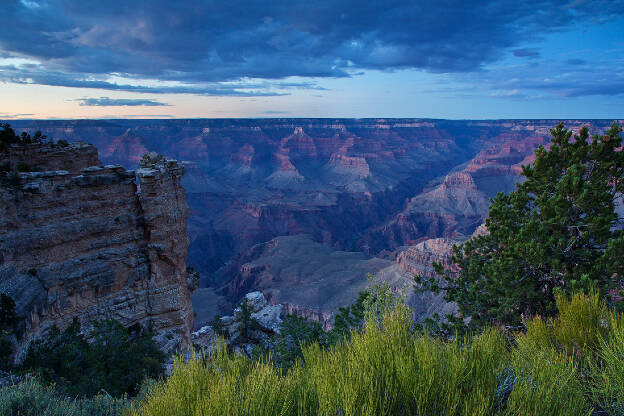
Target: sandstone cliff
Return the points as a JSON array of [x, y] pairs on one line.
[[78, 240]]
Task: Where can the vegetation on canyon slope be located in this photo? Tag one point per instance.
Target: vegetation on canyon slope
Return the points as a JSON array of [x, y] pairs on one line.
[[108, 358], [559, 230], [8, 327], [559, 366], [8, 137]]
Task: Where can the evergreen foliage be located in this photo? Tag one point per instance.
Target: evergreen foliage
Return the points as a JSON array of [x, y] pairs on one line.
[[8, 137], [218, 326], [296, 333], [558, 230], [349, 318], [8, 327], [115, 361], [151, 159], [246, 323]]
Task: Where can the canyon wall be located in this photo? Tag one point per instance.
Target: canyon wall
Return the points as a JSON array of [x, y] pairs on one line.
[[80, 240], [373, 187]]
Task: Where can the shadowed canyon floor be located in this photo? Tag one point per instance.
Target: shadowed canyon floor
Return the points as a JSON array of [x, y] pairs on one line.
[[303, 209]]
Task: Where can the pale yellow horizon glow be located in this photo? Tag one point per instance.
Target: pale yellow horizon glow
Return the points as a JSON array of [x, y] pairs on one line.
[[30, 101]]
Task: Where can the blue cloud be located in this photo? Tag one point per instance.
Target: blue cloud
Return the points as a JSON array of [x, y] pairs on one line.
[[204, 46], [526, 52]]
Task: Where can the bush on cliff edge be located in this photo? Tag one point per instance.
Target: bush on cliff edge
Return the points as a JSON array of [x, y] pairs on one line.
[[564, 366], [116, 360]]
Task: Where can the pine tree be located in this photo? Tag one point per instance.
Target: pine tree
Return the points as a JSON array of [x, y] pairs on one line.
[[559, 230]]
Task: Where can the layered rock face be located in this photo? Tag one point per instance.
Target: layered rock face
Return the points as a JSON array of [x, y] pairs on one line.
[[96, 243], [369, 187], [419, 259], [41, 158]]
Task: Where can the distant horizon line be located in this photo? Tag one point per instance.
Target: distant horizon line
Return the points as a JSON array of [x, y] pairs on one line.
[[619, 120]]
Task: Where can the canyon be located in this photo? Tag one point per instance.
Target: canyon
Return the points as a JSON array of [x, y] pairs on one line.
[[304, 209]]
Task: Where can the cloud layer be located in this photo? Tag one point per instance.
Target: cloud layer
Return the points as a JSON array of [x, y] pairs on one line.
[[223, 47], [118, 102]]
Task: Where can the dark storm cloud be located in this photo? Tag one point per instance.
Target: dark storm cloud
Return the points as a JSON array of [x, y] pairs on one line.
[[526, 53], [117, 102], [201, 44]]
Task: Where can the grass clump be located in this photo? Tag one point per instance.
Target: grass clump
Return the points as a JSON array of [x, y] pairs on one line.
[[607, 370], [219, 384], [384, 369], [565, 366], [33, 398], [546, 383]]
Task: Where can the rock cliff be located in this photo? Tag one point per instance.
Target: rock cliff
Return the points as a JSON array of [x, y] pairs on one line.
[[375, 186], [81, 240], [419, 259]]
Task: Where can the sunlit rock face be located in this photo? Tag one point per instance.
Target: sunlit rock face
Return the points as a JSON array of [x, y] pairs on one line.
[[94, 242], [369, 186]]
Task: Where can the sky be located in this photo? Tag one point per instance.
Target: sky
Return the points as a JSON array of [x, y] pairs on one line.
[[454, 59]]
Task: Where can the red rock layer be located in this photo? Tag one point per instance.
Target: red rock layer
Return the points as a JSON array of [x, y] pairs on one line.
[[420, 258]]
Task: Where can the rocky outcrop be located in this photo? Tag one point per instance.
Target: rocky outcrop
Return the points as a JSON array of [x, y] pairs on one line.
[[326, 319], [419, 259], [264, 321], [348, 165], [101, 243], [45, 158]]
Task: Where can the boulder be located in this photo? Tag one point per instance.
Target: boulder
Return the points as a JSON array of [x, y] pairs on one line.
[[269, 317], [204, 336], [256, 300]]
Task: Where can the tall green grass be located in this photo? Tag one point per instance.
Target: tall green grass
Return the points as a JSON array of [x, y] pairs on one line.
[[566, 366], [607, 370]]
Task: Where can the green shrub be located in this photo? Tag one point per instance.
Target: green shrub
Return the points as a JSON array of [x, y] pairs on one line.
[[295, 333], [581, 324], [246, 322], [607, 371], [116, 361], [547, 383], [32, 398], [8, 326], [348, 318], [219, 384], [578, 329], [151, 159], [383, 370], [567, 366], [218, 326]]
